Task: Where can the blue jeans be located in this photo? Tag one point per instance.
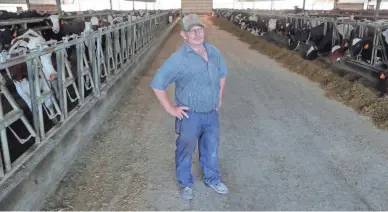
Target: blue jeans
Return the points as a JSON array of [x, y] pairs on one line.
[[204, 128]]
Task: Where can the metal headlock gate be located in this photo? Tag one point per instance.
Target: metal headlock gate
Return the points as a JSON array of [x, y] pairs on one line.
[[363, 28], [95, 68]]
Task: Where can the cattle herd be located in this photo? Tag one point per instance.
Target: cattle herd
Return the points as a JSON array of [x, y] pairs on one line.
[[30, 49], [358, 41]]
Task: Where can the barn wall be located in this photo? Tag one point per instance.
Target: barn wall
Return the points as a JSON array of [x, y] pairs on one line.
[[12, 1], [43, 2], [350, 6], [43, 7], [197, 6]]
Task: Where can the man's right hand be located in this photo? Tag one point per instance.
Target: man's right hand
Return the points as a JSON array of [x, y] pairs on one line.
[[179, 112]]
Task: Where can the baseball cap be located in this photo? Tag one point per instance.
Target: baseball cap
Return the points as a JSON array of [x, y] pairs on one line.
[[191, 20]]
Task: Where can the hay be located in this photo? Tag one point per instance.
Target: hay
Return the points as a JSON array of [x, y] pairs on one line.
[[378, 111], [347, 88]]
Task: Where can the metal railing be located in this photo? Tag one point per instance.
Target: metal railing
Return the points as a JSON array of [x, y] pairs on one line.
[[53, 102], [25, 21], [364, 28]]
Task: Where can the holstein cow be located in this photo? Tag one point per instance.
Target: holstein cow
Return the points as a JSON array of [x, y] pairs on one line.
[[357, 46], [64, 28], [18, 73], [254, 25], [295, 36], [320, 40], [338, 51]]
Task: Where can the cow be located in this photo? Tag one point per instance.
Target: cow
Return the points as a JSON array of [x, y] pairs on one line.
[[339, 51], [61, 29], [18, 74], [254, 25], [295, 36], [320, 41]]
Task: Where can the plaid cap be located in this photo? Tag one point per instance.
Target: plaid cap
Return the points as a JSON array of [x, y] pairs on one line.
[[191, 20]]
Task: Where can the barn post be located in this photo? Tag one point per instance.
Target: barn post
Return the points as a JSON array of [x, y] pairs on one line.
[[111, 5], [59, 8], [304, 5], [378, 3], [28, 4], [133, 5]]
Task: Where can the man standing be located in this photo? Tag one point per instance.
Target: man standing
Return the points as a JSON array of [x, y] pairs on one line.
[[199, 73]]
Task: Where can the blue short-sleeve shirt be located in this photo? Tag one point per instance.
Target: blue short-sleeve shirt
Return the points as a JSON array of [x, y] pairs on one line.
[[197, 81]]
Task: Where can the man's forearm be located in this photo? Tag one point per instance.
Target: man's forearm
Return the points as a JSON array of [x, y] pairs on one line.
[[222, 85], [164, 100]]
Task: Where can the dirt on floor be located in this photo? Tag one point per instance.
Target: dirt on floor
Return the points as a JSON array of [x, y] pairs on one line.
[[347, 88]]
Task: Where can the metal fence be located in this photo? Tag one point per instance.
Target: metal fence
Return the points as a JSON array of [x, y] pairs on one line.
[[364, 29], [100, 56]]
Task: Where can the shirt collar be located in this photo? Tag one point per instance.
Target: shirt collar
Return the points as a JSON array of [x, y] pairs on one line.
[[188, 49]]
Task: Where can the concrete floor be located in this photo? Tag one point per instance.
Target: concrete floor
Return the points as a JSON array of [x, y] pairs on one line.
[[284, 147]]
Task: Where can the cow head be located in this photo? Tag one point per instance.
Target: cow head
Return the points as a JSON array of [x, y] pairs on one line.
[[357, 47], [6, 37], [55, 25], [95, 21], [32, 41]]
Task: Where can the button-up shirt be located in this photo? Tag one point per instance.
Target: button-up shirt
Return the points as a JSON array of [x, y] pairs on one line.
[[197, 81]]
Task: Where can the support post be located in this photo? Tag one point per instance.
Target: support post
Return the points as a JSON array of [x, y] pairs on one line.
[[133, 5], [111, 5], [59, 8], [378, 3], [28, 4], [304, 5]]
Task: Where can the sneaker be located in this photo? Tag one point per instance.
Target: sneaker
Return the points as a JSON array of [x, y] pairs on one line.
[[220, 188], [187, 193]]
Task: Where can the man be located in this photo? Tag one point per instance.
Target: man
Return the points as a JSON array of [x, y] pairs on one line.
[[199, 73]]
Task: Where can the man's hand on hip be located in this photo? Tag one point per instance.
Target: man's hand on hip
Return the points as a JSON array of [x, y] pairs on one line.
[[178, 112]]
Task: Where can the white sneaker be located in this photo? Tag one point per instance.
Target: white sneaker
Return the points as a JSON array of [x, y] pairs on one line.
[[187, 193], [220, 188]]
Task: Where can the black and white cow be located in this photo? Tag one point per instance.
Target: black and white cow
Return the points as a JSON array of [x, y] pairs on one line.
[[320, 41], [31, 41]]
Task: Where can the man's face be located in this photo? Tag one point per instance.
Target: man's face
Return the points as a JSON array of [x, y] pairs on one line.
[[195, 36]]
